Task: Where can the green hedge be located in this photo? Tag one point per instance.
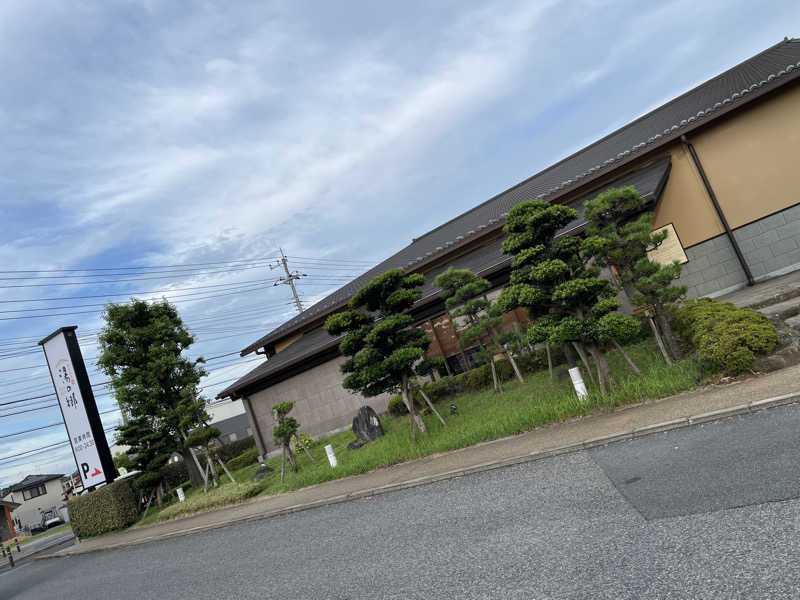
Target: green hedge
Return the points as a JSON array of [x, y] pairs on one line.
[[248, 457], [108, 508], [233, 449], [725, 336], [475, 379]]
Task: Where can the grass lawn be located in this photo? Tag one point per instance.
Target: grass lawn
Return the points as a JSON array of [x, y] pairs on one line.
[[481, 416]]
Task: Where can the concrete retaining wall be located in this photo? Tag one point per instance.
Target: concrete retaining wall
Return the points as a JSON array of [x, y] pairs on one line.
[[771, 247]]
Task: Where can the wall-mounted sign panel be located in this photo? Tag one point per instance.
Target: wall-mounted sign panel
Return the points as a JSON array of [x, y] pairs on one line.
[[78, 407], [670, 249]]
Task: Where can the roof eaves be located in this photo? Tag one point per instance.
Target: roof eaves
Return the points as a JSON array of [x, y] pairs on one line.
[[657, 140]]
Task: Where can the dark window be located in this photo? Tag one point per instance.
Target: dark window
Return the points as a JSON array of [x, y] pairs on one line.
[[475, 360], [456, 363], [34, 492]]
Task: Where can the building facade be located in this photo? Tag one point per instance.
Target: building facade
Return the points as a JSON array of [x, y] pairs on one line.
[[35, 495], [716, 164]]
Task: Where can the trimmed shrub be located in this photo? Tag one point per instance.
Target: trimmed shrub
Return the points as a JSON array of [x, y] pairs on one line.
[[233, 449], [725, 336], [248, 457], [107, 509]]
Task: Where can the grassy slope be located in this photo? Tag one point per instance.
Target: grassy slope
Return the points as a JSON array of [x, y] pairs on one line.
[[481, 416]]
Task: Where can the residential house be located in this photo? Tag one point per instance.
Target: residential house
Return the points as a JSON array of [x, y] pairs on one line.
[[35, 494]]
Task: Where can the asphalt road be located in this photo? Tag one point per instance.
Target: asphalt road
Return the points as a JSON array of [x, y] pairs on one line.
[[706, 512]]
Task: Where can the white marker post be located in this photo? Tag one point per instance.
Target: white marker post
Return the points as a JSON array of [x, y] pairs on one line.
[[577, 383], [331, 456]]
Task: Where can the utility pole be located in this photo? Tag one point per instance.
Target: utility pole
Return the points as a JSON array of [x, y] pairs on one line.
[[289, 279]]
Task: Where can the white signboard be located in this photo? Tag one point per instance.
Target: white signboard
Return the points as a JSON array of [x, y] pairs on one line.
[[72, 407]]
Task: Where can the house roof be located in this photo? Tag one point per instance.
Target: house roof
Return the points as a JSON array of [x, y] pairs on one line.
[[649, 180], [32, 480], [772, 68], [237, 424]]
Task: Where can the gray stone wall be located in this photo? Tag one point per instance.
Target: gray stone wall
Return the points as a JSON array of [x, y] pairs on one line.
[[770, 246], [712, 270], [321, 404]]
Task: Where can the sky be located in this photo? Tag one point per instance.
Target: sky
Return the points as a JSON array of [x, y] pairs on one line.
[[168, 149]]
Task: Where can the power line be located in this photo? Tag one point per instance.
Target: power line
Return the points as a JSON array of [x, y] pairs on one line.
[[224, 262], [3, 459], [194, 287], [16, 433], [333, 260], [170, 298], [64, 283], [85, 312]]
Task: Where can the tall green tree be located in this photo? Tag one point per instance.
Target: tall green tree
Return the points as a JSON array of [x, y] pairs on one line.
[[464, 295], [380, 341], [566, 298], [620, 234], [141, 350]]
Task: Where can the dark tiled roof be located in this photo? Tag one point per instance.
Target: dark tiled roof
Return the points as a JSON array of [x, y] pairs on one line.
[[32, 480], [649, 181], [237, 424], [765, 71]]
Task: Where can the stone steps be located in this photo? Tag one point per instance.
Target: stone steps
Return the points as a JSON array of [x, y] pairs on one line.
[[782, 310], [793, 322], [781, 295]]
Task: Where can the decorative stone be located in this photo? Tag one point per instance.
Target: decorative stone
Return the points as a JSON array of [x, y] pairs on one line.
[[355, 444], [366, 425], [262, 472]]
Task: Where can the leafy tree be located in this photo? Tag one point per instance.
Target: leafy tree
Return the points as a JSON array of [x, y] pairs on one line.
[[464, 294], [619, 235], [141, 348], [382, 353], [566, 298]]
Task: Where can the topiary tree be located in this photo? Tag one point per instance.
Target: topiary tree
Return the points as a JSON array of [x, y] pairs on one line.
[[283, 431], [464, 296], [566, 298], [619, 235], [382, 353], [141, 350]]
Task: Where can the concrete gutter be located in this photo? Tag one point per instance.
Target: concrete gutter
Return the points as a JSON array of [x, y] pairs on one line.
[[698, 419]]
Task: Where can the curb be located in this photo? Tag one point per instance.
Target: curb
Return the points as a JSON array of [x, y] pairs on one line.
[[683, 422]]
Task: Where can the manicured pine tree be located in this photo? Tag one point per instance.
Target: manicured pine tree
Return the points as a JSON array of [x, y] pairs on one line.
[[381, 353], [283, 431], [464, 295], [566, 298], [619, 235]]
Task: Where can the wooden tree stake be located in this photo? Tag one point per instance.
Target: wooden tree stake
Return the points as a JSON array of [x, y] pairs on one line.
[[628, 359], [432, 407]]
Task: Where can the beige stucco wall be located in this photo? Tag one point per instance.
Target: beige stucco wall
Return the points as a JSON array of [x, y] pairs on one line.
[[684, 202], [750, 160], [321, 404]]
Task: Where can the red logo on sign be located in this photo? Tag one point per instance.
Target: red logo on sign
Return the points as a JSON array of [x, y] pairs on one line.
[[96, 472]]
